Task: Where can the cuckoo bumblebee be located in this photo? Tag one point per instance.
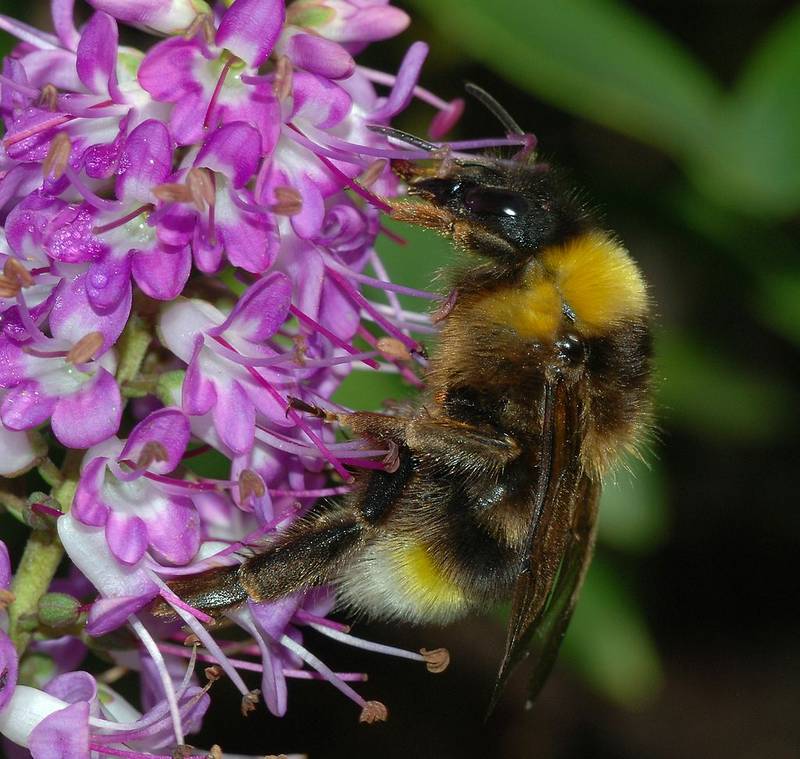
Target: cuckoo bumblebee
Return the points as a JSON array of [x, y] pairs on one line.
[[540, 380]]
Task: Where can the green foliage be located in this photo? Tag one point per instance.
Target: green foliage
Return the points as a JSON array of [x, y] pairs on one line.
[[608, 642], [596, 58]]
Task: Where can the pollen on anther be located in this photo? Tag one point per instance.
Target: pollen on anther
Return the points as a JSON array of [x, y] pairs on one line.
[[250, 701], [85, 349], [282, 85], [288, 202], [436, 660], [373, 711], [14, 270], [152, 452], [250, 486], [201, 188], [55, 162], [48, 98]]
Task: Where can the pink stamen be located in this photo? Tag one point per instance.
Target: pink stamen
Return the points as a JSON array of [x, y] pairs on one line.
[[361, 301], [351, 183], [324, 670], [109, 751], [321, 150], [313, 493], [43, 354], [42, 126], [364, 464], [335, 339], [45, 510], [217, 90], [88, 195], [403, 370], [123, 219], [30, 325], [289, 359], [174, 600], [292, 414], [389, 287], [313, 619], [249, 666], [201, 449], [393, 236], [366, 645]]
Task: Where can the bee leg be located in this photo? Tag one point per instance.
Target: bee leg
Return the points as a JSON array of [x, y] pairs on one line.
[[461, 446], [368, 424], [310, 553]]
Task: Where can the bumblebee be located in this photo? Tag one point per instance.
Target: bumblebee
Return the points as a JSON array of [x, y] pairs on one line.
[[540, 380]]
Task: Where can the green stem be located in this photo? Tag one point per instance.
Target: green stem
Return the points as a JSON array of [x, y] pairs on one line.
[[40, 560]]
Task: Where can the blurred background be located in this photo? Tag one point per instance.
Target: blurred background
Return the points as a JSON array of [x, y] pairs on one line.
[[682, 122]]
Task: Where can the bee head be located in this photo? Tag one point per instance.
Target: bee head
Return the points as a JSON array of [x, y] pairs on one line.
[[496, 209]]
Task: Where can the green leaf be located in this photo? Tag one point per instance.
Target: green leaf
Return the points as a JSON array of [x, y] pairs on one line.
[[779, 303], [702, 389], [595, 58], [608, 642], [754, 162], [633, 508]]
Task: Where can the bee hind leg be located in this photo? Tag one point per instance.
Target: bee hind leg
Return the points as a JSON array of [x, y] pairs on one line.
[[309, 554]]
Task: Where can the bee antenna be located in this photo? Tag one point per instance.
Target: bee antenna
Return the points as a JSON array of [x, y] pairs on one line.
[[489, 102], [399, 134]]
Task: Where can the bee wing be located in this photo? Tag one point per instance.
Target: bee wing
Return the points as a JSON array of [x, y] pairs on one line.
[[560, 545]]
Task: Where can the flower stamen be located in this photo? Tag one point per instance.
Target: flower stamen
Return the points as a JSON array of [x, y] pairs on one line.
[[85, 349], [288, 202], [282, 84], [48, 98], [146, 208], [55, 162]]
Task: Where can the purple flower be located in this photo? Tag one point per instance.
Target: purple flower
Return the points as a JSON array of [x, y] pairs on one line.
[[189, 227], [120, 490]]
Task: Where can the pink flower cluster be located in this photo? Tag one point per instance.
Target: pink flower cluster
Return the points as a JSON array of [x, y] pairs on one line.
[[185, 234]]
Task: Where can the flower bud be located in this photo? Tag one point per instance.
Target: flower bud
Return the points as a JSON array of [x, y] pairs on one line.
[[58, 610]]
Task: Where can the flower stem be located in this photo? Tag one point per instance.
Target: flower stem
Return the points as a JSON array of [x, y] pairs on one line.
[[40, 559], [132, 348]]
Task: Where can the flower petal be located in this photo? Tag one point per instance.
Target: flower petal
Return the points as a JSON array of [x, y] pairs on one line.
[[73, 317], [64, 734], [146, 161], [407, 76], [88, 505], [250, 28], [126, 536], [168, 426], [26, 406], [235, 418], [233, 150], [261, 311], [175, 536], [162, 272], [89, 416], [108, 282], [8, 669], [97, 53], [319, 56]]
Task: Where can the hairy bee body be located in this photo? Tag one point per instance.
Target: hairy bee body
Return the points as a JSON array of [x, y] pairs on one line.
[[540, 380]]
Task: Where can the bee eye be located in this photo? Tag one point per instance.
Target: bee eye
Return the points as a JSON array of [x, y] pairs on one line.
[[483, 201], [572, 349]]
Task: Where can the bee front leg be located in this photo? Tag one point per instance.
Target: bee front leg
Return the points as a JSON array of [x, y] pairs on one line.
[[368, 424], [460, 446]]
